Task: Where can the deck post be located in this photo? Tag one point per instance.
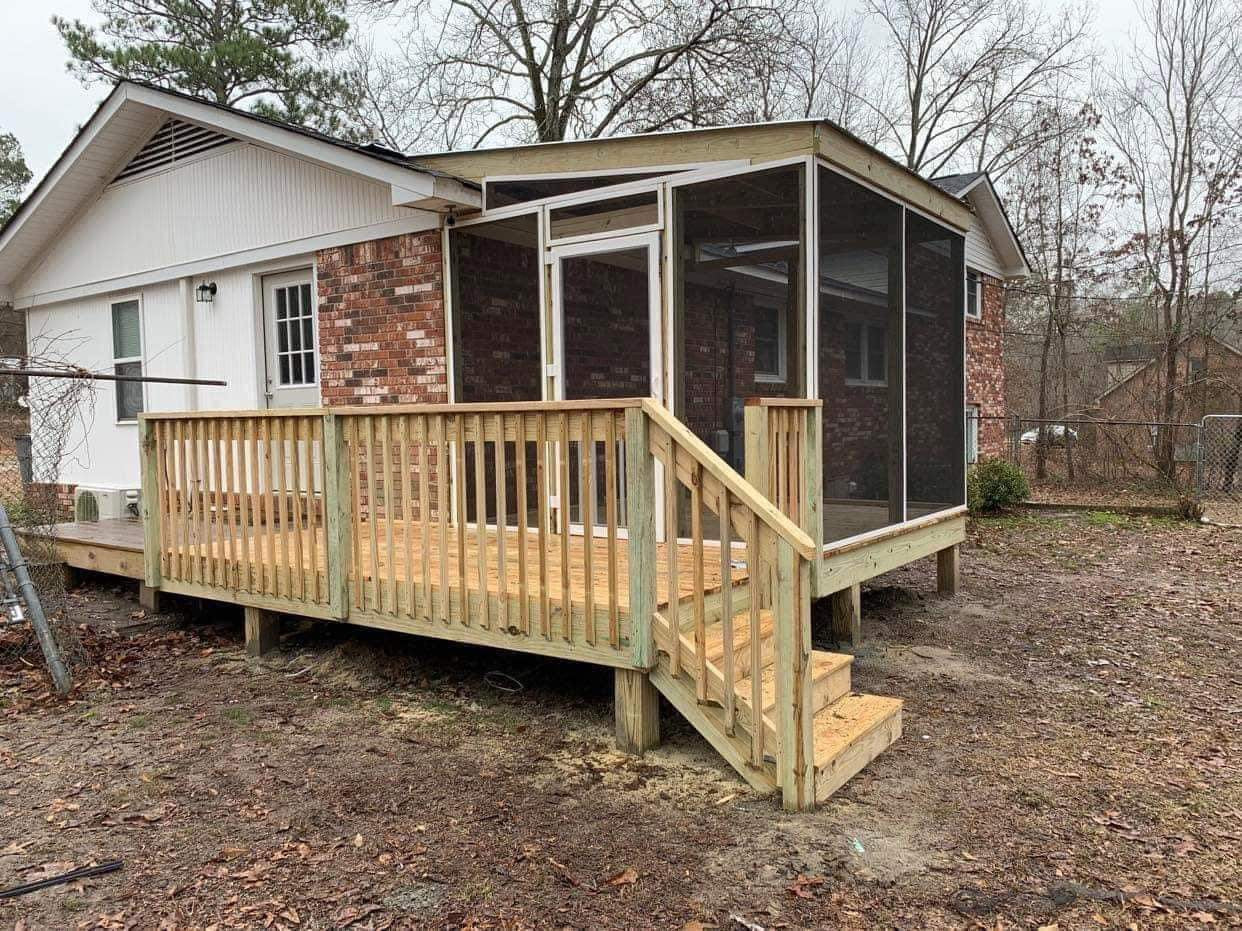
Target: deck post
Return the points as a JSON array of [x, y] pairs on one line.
[[813, 500], [795, 755], [336, 523], [640, 523], [148, 453], [149, 598], [755, 426], [847, 615], [637, 706], [948, 570], [262, 631]]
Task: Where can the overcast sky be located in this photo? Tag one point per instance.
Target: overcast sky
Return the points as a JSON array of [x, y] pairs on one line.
[[43, 106]]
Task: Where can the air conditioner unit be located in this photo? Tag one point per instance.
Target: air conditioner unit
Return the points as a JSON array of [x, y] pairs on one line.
[[94, 502]]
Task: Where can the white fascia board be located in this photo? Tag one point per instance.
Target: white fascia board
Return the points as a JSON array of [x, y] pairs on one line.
[[446, 192], [65, 163], [413, 180]]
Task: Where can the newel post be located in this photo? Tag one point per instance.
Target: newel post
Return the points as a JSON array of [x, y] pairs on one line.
[[640, 524], [813, 500], [336, 522], [795, 766], [148, 453], [758, 463]]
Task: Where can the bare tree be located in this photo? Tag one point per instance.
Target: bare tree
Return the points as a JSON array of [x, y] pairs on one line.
[[517, 70], [1059, 192], [1173, 118], [969, 69]]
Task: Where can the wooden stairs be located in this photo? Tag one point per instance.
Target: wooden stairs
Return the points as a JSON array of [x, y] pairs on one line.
[[850, 729]]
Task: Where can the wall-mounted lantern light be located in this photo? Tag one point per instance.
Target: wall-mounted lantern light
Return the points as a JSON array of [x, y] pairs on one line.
[[205, 293]]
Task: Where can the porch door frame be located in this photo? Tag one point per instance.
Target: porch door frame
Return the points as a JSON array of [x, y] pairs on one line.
[[556, 370], [294, 396]]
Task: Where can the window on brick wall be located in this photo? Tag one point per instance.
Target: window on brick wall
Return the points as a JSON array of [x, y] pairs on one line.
[[127, 358], [972, 433], [974, 294], [866, 354], [770, 355]]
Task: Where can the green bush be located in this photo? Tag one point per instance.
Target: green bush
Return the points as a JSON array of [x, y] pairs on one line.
[[994, 484]]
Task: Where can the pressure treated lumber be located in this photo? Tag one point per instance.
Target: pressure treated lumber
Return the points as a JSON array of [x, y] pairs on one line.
[[948, 571], [847, 615], [638, 712], [262, 631]]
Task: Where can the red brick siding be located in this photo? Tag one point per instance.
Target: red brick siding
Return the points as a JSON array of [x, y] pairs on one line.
[[381, 321], [55, 498], [985, 370]]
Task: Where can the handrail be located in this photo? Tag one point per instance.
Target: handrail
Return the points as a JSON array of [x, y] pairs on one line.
[[738, 487], [495, 407]]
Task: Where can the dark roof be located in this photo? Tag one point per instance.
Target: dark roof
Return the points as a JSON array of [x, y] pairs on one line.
[[957, 185]]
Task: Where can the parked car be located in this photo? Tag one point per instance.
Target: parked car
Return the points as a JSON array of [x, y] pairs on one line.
[[1056, 434]]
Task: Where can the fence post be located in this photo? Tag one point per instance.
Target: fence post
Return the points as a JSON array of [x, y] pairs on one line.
[[151, 516], [795, 755], [640, 523], [336, 523]]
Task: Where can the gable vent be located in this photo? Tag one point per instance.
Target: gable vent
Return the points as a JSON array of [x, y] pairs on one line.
[[173, 142]]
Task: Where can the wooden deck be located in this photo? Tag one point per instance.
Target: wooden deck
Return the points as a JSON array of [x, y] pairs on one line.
[[113, 547]]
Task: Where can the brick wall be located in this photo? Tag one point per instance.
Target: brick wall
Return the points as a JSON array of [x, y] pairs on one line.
[[381, 321], [52, 498], [985, 370]]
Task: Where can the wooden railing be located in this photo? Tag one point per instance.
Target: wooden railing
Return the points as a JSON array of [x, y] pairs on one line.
[[776, 558], [238, 505], [529, 525], [784, 461]]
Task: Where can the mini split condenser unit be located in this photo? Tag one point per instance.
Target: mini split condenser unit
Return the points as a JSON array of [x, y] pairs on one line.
[[91, 503]]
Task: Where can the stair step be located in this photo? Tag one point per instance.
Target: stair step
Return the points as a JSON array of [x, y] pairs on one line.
[[849, 734], [830, 680], [713, 634]]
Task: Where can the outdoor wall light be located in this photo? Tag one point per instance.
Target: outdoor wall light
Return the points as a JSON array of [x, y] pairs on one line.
[[205, 293]]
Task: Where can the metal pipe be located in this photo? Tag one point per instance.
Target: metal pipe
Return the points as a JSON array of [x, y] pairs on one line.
[[17, 565], [102, 376]]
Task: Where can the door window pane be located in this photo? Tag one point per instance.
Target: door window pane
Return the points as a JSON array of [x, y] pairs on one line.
[[294, 328]]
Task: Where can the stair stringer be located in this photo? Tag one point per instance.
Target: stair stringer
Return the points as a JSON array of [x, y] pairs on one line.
[[709, 721]]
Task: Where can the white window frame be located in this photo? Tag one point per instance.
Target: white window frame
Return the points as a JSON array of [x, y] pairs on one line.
[[864, 331], [781, 375], [973, 412], [974, 286], [113, 302]]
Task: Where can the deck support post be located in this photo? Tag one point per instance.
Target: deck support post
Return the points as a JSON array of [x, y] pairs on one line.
[[640, 520], [795, 754], [149, 598], [336, 524], [948, 570], [638, 712], [847, 615], [262, 631], [152, 545]]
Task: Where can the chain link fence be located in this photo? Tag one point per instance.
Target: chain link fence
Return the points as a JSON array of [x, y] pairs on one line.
[[39, 419], [1220, 468]]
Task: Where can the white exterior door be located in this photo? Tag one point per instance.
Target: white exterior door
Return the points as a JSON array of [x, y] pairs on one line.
[[291, 340]]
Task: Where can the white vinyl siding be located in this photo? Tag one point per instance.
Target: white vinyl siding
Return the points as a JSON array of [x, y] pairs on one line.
[[979, 252], [228, 201]]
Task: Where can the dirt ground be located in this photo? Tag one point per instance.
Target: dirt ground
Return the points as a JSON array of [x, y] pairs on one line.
[[1070, 760]]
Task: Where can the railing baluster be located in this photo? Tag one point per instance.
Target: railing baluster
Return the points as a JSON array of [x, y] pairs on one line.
[[407, 505], [480, 518], [314, 440], [424, 511], [390, 549], [502, 523], [610, 507], [755, 578], [356, 537], [586, 508], [256, 504], [563, 499], [541, 478], [442, 496], [294, 497], [377, 589], [519, 452], [696, 552], [673, 550], [459, 494]]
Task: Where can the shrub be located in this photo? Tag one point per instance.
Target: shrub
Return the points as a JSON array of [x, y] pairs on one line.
[[995, 484]]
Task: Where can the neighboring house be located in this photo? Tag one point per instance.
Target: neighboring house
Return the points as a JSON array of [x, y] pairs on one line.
[[180, 238], [993, 256], [1208, 381]]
